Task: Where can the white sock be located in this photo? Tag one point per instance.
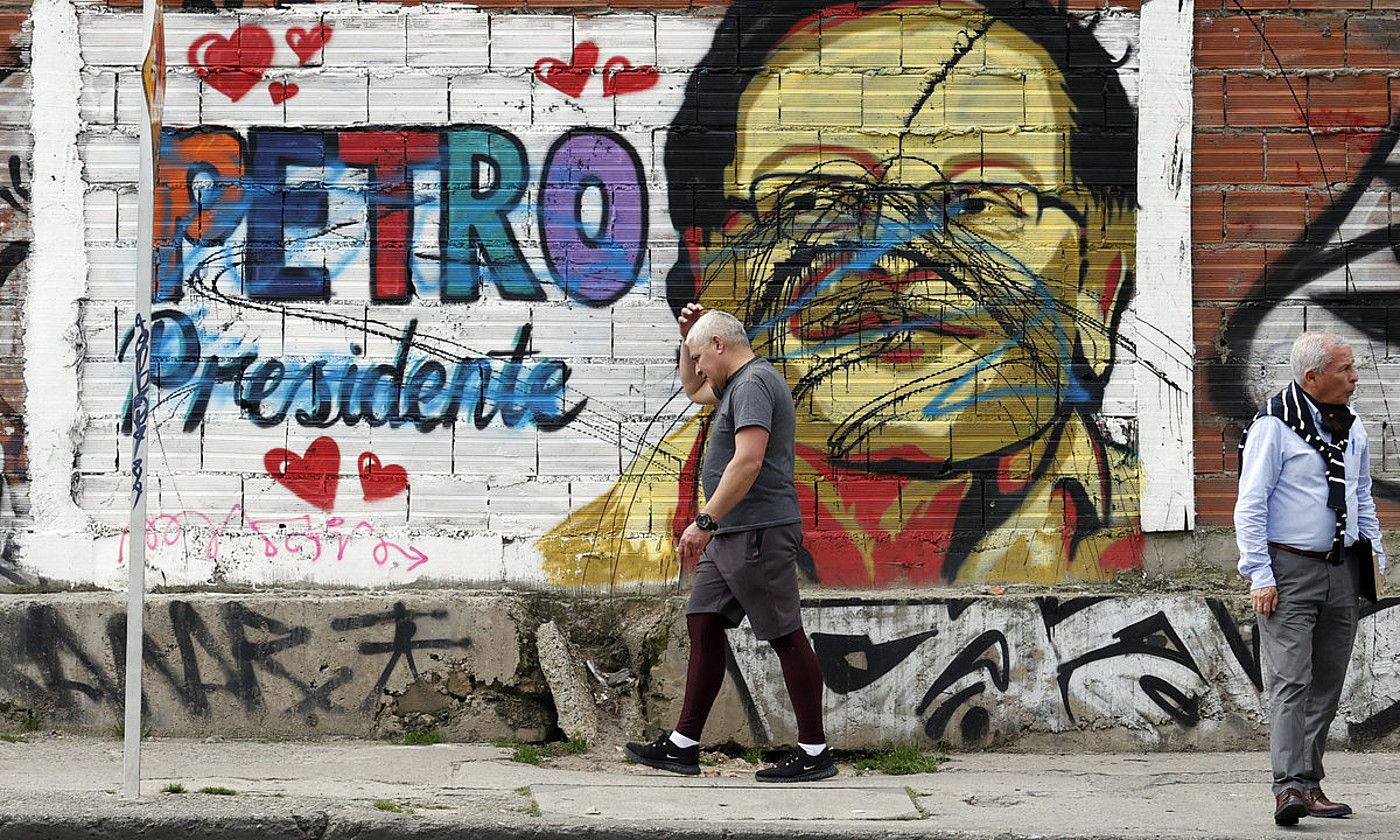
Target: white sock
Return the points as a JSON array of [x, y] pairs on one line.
[[809, 749], [681, 741]]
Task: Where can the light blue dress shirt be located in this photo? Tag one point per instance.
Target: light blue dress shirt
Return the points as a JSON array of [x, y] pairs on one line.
[[1283, 495]]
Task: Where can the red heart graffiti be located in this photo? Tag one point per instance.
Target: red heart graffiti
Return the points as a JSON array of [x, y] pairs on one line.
[[282, 91], [569, 78], [307, 42], [312, 477], [378, 481], [619, 77], [234, 64]]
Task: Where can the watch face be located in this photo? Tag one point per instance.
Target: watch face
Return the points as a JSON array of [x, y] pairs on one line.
[[705, 521]]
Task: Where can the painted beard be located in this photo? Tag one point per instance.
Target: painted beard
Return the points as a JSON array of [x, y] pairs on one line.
[[860, 286]]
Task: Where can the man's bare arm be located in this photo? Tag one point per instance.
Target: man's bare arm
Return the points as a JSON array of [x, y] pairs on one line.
[[739, 475], [695, 385], [750, 443]]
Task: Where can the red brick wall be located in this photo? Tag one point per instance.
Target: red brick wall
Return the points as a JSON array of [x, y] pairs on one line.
[[15, 147], [1292, 99]]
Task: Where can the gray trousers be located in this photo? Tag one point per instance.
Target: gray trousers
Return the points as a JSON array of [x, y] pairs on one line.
[[1307, 646]]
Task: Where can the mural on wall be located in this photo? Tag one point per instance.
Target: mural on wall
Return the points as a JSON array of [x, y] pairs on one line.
[[1165, 672], [261, 662], [942, 294], [1172, 672], [395, 309]]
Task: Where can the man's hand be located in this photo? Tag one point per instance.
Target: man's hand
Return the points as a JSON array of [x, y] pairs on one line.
[[1265, 600], [689, 315], [693, 541]]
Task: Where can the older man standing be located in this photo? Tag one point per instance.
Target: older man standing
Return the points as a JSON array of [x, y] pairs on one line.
[[1302, 518]]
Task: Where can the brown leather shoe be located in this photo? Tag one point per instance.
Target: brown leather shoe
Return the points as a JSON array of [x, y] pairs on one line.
[[1290, 806], [1320, 806]]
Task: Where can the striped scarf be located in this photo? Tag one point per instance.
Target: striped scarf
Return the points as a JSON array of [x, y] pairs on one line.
[[1290, 406]]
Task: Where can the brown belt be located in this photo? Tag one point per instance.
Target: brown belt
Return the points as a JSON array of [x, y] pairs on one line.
[[1316, 555]]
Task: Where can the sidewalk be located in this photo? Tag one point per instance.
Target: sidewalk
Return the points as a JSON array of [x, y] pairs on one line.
[[58, 787]]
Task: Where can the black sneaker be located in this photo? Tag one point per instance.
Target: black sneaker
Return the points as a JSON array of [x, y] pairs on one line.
[[798, 766], [664, 755]]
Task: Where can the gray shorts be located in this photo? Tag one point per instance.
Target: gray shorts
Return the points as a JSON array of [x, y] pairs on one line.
[[754, 574]]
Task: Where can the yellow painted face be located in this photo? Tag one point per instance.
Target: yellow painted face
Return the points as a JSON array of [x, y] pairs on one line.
[[911, 247]]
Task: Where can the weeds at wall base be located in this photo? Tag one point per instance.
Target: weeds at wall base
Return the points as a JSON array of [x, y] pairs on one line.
[[533, 808], [535, 754], [119, 731], [899, 760], [419, 738]]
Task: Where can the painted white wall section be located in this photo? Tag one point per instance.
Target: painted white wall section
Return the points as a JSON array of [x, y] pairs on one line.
[[55, 336], [1163, 303]]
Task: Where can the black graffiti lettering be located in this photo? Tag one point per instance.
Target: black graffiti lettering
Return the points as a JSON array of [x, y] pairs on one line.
[[969, 661], [1369, 609], [1375, 727], [1184, 709], [1153, 636], [11, 258], [43, 640], [850, 663], [1053, 611], [1245, 654], [1346, 251], [189, 629], [957, 606], [152, 658], [16, 194], [248, 654], [402, 646]]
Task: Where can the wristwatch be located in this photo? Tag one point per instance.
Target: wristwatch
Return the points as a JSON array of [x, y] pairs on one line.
[[706, 522]]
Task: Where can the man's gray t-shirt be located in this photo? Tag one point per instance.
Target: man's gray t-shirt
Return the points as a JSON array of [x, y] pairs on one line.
[[756, 395]]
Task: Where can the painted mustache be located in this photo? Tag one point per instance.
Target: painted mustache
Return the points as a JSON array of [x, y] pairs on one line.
[[841, 299]]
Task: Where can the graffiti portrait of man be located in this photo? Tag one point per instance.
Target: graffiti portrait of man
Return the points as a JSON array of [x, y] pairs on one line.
[[924, 214]]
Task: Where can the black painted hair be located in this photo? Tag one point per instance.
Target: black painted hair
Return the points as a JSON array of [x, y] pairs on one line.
[[701, 141]]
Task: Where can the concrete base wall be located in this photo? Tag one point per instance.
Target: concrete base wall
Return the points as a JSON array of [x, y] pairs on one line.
[[1094, 672]]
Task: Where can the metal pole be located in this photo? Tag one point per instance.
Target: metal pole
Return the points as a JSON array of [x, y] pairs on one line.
[[153, 81]]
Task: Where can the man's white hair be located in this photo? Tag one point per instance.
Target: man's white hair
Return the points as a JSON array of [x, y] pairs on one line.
[[1313, 351], [717, 323]]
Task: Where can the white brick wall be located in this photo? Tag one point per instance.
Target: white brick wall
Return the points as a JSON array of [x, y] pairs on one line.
[[449, 40], [428, 69], [367, 39], [458, 472], [408, 98]]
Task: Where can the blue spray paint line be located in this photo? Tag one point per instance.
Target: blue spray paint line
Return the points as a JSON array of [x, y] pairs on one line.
[[1075, 392], [865, 258]]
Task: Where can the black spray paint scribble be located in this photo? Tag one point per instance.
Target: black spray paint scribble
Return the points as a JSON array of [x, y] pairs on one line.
[[228, 649], [401, 646], [952, 705], [976, 721], [1323, 250]]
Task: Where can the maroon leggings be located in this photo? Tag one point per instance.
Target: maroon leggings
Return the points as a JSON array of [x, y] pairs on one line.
[[705, 674]]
